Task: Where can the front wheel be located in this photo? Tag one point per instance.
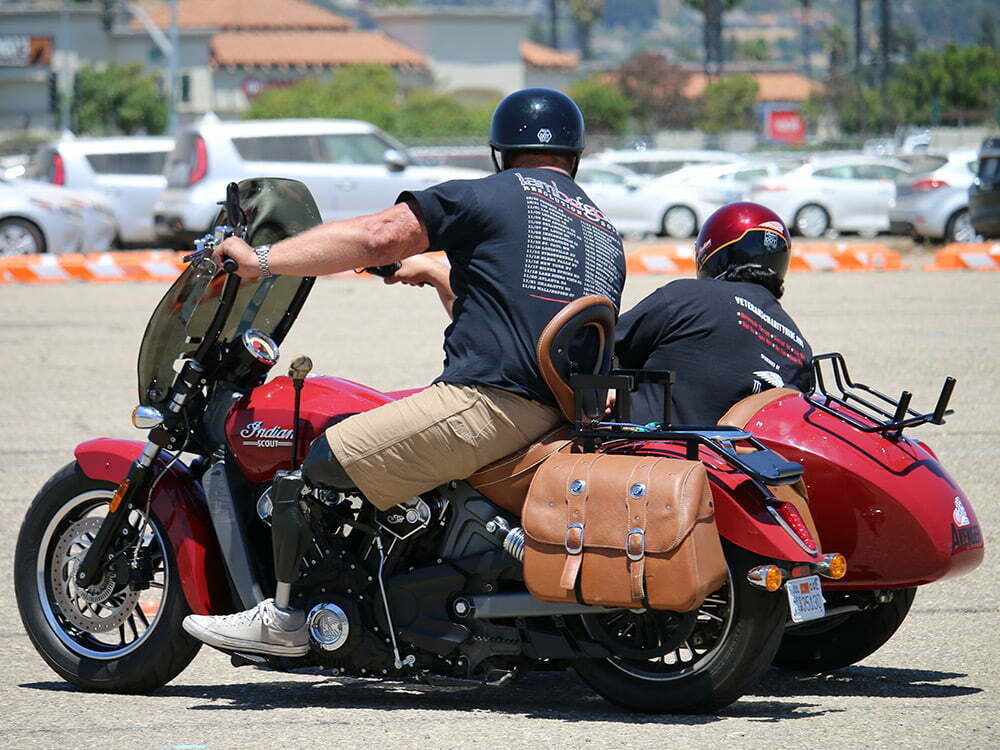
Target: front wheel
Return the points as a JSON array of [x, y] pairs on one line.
[[811, 221], [839, 642], [689, 664], [107, 637]]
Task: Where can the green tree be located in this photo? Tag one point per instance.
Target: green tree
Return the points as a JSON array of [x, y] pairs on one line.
[[753, 49], [605, 108], [964, 81], [654, 89], [585, 14], [728, 103], [837, 45], [117, 98]]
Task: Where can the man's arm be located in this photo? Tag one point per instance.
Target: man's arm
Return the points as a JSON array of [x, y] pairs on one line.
[[373, 240], [420, 270]]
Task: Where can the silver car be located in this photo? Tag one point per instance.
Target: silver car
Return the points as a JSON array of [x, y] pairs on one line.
[[127, 171], [34, 224], [934, 203]]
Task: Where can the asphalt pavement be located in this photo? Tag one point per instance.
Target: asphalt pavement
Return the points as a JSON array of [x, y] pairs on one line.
[[68, 374]]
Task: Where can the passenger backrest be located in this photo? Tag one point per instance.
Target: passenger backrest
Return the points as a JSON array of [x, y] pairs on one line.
[[578, 340]]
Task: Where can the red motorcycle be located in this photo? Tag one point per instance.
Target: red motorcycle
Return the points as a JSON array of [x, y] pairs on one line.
[[125, 541]]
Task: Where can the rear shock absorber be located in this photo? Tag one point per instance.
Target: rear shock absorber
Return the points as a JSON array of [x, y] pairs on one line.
[[511, 539]]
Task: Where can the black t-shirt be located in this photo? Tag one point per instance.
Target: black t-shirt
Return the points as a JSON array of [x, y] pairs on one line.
[[521, 243], [724, 340]]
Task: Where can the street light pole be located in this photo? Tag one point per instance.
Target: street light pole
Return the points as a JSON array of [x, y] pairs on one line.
[[175, 52], [66, 84]]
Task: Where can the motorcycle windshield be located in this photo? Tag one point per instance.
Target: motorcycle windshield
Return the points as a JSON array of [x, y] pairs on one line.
[[275, 208]]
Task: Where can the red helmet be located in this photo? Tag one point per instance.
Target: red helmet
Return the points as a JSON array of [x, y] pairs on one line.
[[742, 234]]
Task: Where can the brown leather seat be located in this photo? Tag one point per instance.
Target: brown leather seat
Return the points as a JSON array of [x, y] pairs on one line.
[[578, 339], [741, 412]]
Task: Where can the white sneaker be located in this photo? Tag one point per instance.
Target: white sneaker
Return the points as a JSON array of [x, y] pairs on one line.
[[265, 629]]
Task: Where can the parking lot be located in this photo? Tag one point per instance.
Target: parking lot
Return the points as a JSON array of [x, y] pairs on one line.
[[69, 374]]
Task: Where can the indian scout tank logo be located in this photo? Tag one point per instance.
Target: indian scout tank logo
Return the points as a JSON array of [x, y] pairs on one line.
[[257, 434], [964, 533], [960, 517]]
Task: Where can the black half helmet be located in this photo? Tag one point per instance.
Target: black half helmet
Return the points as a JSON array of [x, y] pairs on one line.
[[538, 119]]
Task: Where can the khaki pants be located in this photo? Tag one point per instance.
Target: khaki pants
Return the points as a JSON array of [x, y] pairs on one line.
[[445, 432]]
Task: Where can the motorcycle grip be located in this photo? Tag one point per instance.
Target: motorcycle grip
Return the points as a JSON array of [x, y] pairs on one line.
[[230, 266], [384, 271]]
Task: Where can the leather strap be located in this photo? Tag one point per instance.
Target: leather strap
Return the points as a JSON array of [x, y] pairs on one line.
[[635, 534], [576, 492]]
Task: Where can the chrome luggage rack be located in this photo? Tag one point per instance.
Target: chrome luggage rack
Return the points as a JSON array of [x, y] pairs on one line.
[[867, 409], [590, 429]]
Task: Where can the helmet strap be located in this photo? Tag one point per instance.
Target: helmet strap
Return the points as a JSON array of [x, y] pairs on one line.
[[496, 163]]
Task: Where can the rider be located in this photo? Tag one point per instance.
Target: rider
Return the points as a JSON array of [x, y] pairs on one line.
[[522, 243], [724, 334]]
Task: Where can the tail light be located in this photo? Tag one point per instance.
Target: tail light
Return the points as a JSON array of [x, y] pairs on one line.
[[199, 166], [58, 170], [770, 187], [788, 516], [928, 185], [833, 566]]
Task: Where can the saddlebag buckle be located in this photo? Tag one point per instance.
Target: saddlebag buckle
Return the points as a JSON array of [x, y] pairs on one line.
[[630, 550], [577, 546]]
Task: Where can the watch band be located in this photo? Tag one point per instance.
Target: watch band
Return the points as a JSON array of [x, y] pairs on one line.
[[262, 260]]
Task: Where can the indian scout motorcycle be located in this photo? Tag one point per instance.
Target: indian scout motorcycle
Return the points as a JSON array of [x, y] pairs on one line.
[[668, 565]]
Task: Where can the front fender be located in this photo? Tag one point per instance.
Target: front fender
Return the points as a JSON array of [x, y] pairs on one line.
[[179, 505]]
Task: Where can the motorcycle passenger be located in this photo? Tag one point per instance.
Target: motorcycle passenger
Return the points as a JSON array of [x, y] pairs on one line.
[[522, 243], [724, 334]]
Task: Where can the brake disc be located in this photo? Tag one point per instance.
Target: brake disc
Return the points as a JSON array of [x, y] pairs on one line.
[[95, 609]]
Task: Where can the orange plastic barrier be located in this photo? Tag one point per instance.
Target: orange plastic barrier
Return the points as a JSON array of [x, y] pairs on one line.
[[153, 265], [967, 256], [842, 256]]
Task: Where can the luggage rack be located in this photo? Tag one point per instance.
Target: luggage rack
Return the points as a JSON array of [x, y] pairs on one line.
[[762, 464], [890, 416]]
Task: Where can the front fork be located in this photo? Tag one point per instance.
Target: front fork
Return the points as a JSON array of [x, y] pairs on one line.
[[115, 524]]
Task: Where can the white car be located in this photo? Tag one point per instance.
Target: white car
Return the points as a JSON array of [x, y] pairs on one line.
[[32, 224], [100, 227], [127, 171], [675, 205], [350, 167], [833, 194], [657, 162]]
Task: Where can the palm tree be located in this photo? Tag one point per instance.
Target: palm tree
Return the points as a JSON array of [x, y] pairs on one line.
[[713, 10]]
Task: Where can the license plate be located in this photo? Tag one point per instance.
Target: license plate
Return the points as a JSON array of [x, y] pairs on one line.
[[805, 599]]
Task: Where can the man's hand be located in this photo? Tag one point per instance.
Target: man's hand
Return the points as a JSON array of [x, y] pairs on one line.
[[242, 253], [416, 270]]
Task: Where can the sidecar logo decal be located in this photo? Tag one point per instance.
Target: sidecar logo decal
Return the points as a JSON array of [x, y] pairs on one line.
[[257, 434], [960, 517], [966, 538]]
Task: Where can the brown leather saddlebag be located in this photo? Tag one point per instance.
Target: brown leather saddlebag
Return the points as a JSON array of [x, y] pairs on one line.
[[506, 481], [622, 531]]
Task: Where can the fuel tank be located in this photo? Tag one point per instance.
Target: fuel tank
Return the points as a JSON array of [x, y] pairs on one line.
[[259, 426], [887, 505]]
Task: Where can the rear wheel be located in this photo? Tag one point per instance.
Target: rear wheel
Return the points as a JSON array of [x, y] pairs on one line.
[[842, 641], [811, 221], [960, 228], [107, 637], [679, 222], [701, 663]]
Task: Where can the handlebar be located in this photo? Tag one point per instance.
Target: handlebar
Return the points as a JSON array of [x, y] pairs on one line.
[[384, 271], [229, 265]]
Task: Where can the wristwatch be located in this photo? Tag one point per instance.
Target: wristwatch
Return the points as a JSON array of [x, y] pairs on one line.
[[262, 263]]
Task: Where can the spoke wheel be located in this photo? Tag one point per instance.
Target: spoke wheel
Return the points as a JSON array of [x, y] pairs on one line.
[[696, 662], [107, 636]]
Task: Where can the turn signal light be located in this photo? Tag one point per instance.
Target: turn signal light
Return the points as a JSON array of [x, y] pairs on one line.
[[833, 566], [119, 494], [769, 577]]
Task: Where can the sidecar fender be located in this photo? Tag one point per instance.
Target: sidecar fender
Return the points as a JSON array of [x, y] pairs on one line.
[[179, 504], [743, 520]]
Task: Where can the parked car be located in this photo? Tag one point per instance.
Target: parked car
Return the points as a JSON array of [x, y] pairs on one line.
[[658, 162], [934, 203], [100, 227], [33, 224], [674, 205], [350, 167], [468, 157], [127, 171], [984, 193], [839, 193]]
